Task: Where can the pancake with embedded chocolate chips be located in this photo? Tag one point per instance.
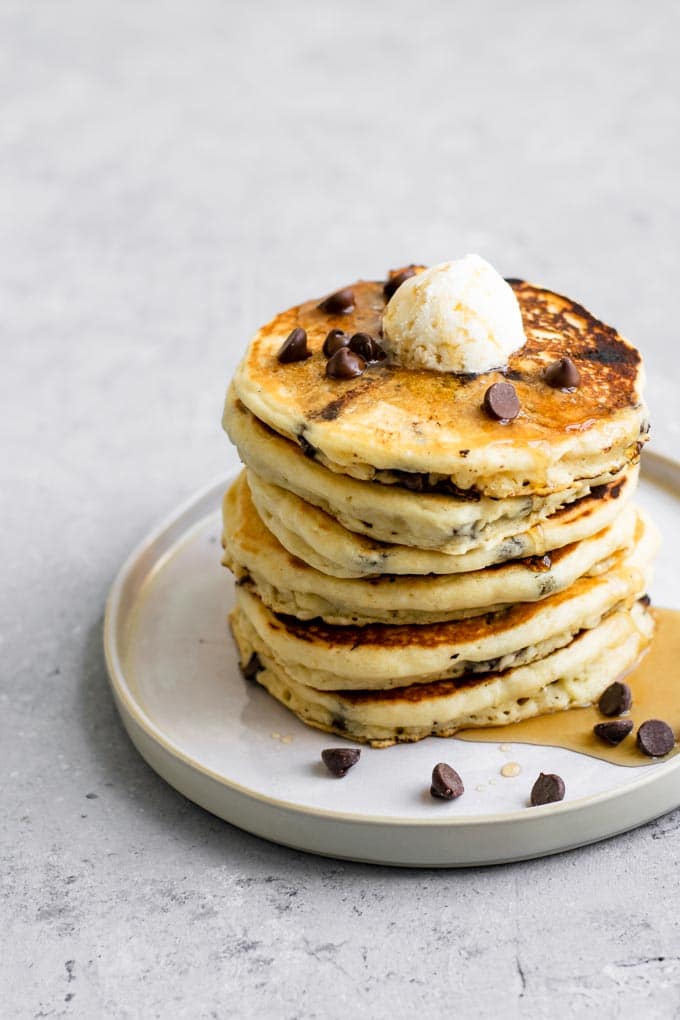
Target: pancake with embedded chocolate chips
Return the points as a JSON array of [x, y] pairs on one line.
[[397, 425], [322, 542], [572, 676], [393, 513], [374, 656], [288, 585]]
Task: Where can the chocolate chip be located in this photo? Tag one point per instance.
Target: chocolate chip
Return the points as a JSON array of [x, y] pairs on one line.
[[307, 448], [369, 348], [252, 667], [396, 278], [294, 348], [655, 738], [339, 760], [616, 700], [446, 783], [547, 789], [501, 401], [339, 303], [562, 375], [613, 732], [336, 339], [345, 364]]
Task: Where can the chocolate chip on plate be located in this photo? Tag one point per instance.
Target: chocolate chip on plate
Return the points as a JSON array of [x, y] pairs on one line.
[[613, 732], [345, 364], [501, 401], [655, 738], [339, 760], [294, 348], [616, 700], [396, 278], [562, 375], [336, 339], [339, 303], [446, 783], [368, 347], [547, 789]]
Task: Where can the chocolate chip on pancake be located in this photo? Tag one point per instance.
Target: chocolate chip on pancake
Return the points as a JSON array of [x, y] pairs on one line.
[[446, 783], [616, 700], [252, 667], [655, 738], [613, 732], [339, 303], [339, 760], [547, 789], [336, 339], [368, 347], [562, 375], [396, 278], [501, 402], [294, 347], [306, 447], [345, 364]]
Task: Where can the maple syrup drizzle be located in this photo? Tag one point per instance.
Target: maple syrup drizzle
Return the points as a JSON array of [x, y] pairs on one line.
[[655, 683]]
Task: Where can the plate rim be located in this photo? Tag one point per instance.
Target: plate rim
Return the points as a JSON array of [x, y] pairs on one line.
[[657, 464]]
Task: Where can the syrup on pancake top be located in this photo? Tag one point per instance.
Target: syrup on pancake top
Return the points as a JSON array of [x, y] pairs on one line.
[[566, 405]]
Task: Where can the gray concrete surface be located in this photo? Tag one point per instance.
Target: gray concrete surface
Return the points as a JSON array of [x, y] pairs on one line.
[[171, 174]]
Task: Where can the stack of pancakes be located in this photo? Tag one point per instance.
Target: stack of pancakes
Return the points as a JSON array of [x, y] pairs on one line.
[[406, 564]]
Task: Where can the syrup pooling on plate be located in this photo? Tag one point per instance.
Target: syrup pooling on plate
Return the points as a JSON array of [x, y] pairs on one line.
[[655, 683]]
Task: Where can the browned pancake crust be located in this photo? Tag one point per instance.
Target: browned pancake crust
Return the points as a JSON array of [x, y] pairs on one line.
[[436, 688], [432, 635], [555, 327]]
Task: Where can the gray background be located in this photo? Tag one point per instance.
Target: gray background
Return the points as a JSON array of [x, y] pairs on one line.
[[173, 174]]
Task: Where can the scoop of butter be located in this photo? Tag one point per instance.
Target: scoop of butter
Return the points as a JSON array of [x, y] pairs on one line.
[[455, 317]]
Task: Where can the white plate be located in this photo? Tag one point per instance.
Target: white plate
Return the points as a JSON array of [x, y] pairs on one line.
[[228, 746]]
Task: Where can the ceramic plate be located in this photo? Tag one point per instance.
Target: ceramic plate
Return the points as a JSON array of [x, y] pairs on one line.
[[228, 746]]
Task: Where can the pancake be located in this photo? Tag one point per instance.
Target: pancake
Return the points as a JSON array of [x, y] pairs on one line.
[[288, 585], [407, 565], [319, 540], [377, 656], [570, 677], [393, 513], [394, 425]]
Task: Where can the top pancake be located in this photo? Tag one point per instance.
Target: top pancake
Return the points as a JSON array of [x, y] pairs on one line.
[[393, 420]]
